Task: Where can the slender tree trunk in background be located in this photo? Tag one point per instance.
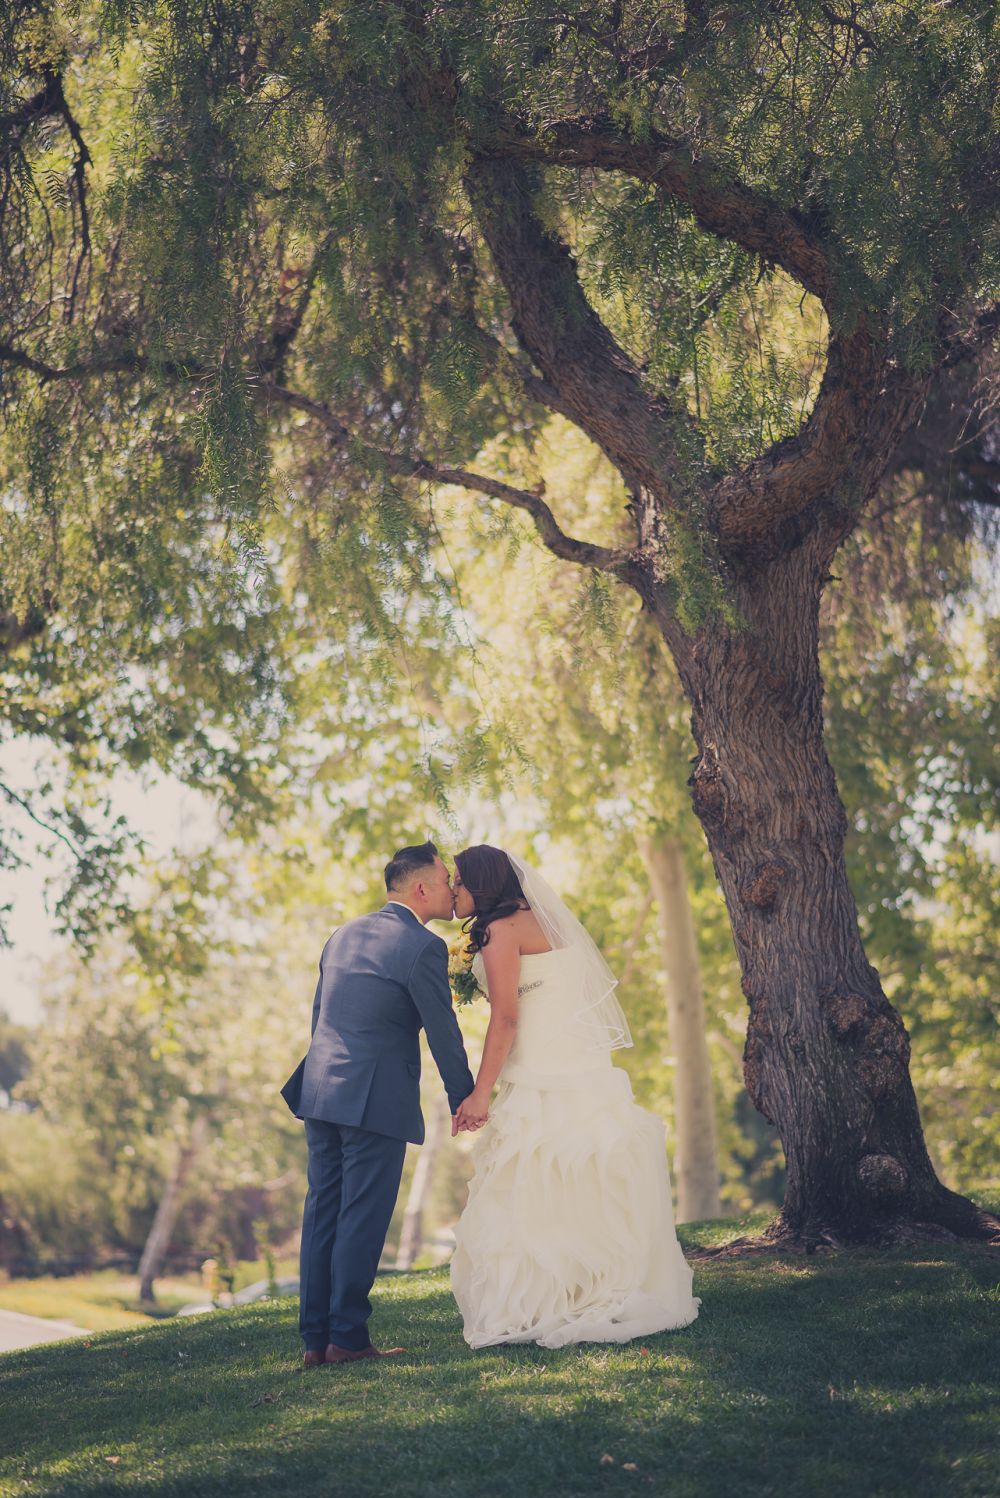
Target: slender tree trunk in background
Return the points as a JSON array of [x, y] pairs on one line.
[[158, 1240], [696, 1164], [411, 1237], [826, 1056]]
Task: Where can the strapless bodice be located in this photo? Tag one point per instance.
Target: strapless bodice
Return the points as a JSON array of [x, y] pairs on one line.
[[551, 1046]]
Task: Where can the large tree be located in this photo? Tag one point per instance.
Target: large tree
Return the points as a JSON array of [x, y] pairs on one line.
[[368, 240]]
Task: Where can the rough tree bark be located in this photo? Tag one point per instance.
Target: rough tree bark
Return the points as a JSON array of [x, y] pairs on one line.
[[826, 1056], [696, 1164], [158, 1240]]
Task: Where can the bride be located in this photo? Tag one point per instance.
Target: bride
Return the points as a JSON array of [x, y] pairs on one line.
[[568, 1234]]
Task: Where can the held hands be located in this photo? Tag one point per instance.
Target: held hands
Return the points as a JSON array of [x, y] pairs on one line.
[[472, 1113]]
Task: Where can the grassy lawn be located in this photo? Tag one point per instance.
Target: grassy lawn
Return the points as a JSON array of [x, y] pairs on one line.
[[845, 1373], [109, 1301], [105, 1301]]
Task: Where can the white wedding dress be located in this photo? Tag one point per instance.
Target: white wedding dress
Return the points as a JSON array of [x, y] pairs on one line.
[[568, 1234]]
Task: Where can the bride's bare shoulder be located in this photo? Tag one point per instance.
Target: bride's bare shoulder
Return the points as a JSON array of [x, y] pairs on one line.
[[526, 930]]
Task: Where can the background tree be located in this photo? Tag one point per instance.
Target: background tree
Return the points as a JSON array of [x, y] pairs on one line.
[[14, 1040], [164, 1057], [372, 241], [130, 643]]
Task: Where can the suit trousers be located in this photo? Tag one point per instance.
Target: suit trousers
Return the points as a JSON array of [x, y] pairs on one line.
[[354, 1178]]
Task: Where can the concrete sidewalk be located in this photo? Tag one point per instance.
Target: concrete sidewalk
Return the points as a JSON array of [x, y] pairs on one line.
[[17, 1331]]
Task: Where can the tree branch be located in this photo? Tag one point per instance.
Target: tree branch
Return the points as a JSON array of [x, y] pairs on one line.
[[596, 383], [80, 165], [982, 468], [287, 322], [534, 386], [797, 471], [863, 37], [129, 362], [45, 826], [458, 255], [51, 100], [16, 631], [721, 204], [584, 553], [48, 100], [610, 404]]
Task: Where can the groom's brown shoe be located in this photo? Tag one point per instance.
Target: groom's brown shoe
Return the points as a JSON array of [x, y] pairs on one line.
[[313, 1359], [335, 1354]]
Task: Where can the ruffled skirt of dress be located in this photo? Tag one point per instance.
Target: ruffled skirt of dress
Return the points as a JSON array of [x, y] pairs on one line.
[[568, 1235]]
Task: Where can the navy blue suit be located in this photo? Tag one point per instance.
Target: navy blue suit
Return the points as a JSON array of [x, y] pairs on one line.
[[382, 978]]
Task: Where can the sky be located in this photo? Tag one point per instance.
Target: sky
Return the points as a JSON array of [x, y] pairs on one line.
[[166, 813]]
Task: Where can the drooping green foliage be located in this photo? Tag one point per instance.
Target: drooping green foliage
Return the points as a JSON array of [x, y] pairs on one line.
[[241, 275], [249, 307], [275, 193]]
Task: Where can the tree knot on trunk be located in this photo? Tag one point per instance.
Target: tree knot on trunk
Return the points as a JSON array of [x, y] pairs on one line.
[[874, 1030], [885, 1056], [710, 795], [847, 1014], [884, 1180], [763, 887], [755, 1053]]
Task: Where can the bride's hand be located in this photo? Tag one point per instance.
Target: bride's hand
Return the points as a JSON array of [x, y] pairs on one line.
[[473, 1111]]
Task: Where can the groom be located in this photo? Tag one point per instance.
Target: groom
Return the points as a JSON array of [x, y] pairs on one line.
[[381, 978]]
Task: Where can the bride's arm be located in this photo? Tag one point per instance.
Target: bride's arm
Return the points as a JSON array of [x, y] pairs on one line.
[[502, 961]]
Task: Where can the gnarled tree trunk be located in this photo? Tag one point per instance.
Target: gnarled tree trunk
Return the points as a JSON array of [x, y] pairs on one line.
[[696, 1164], [826, 1056]]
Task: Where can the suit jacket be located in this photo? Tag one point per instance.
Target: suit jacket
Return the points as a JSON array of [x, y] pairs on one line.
[[382, 978]]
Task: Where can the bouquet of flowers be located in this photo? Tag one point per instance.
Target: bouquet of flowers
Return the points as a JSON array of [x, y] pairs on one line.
[[465, 987]]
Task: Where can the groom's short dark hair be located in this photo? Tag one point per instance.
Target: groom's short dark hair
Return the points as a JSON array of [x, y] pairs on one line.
[[406, 861]]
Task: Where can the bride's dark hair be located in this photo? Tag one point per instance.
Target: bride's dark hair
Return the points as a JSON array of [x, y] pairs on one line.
[[489, 876]]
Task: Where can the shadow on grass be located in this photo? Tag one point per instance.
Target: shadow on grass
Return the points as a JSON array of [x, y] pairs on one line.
[[863, 1374]]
